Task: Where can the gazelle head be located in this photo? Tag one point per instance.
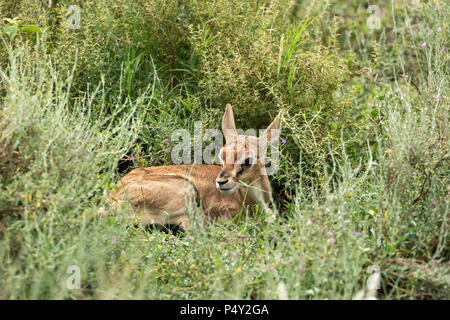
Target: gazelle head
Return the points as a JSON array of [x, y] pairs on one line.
[[242, 156]]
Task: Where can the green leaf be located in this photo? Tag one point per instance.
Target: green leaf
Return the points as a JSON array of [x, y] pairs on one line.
[[10, 31], [31, 28], [333, 125]]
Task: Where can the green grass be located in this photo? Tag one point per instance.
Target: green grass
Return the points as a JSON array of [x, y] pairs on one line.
[[364, 174]]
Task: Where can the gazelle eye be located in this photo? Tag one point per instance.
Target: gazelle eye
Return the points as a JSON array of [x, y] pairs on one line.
[[247, 163]]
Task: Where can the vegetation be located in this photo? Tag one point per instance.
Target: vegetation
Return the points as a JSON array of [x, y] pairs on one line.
[[363, 183]]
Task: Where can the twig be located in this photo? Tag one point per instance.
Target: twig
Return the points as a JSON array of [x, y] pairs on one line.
[[423, 192]]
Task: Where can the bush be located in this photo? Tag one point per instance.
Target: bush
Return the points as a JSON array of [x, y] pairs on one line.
[[257, 60]]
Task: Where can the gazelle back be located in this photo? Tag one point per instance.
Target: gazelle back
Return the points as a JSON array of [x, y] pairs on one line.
[[164, 194]]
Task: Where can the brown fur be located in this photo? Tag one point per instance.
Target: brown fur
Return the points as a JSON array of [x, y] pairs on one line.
[[165, 194]]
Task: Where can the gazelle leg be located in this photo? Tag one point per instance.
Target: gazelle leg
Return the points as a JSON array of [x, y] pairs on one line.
[[257, 194], [183, 222]]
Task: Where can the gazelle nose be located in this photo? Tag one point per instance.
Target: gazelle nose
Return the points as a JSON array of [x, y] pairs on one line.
[[221, 183]]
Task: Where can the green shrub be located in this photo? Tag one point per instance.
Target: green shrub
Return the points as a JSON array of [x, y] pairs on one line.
[[259, 61]]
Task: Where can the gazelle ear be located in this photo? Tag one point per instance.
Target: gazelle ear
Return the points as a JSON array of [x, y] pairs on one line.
[[274, 129], [228, 127]]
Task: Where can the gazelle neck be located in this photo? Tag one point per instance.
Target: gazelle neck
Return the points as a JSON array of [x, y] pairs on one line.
[[265, 185], [260, 191]]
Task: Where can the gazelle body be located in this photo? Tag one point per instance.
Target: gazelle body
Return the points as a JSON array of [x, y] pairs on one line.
[[165, 194]]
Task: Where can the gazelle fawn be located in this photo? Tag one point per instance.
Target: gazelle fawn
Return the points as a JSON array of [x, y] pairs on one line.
[[164, 194]]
